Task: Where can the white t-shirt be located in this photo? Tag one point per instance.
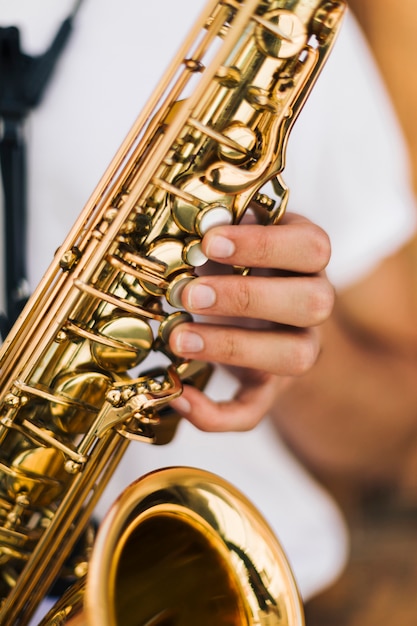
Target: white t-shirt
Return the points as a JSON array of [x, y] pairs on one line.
[[347, 167], [345, 137]]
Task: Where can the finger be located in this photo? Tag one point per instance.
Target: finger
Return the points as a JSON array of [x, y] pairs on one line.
[[241, 413], [284, 352], [294, 300], [296, 246]]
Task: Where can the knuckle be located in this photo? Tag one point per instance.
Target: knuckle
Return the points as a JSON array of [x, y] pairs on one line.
[[228, 348], [305, 353], [262, 249], [320, 301], [243, 297], [321, 248]]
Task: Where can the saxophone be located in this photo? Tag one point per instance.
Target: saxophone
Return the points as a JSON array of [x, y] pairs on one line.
[[75, 387]]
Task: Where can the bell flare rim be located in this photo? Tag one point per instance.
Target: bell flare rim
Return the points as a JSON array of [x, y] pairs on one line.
[[235, 528]]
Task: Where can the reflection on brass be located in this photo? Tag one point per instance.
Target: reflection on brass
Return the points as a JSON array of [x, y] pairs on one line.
[[181, 547], [132, 333]]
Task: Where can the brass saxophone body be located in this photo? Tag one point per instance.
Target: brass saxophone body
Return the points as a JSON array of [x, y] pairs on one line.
[[75, 385]]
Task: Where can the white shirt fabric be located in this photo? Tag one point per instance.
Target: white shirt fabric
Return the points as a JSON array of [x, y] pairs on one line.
[[347, 167], [345, 137]]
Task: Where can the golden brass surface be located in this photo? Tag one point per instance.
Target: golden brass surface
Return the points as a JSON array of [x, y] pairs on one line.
[[75, 376], [197, 550]]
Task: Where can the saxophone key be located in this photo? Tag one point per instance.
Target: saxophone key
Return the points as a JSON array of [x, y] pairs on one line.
[[280, 33], [193, 253], [170, 253], [89, 389], [39, 474], [134, 338], [171, 322], [176, 287], [198, 220]]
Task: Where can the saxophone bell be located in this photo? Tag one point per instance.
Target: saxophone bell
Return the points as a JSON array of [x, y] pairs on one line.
[[197, 549]]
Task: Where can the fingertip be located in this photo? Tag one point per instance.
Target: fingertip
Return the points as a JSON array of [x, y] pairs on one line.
[[185, 342], [197, 409], [218, 247], [181, 405]]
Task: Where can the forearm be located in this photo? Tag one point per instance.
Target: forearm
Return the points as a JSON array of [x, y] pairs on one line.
[[354, 415]]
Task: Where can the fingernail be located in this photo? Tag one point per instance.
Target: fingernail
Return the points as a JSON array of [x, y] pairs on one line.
[[200, 296], [181, 405], [187, 341], [220, 247]]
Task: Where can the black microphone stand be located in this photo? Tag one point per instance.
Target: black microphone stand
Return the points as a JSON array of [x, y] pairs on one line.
[[22, 83]]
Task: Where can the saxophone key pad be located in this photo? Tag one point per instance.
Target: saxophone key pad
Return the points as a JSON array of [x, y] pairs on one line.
[[214, 215], [193, 253], [175, 289]]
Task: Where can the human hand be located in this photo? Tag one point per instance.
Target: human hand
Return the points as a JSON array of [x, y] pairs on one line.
[[263, 325]]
